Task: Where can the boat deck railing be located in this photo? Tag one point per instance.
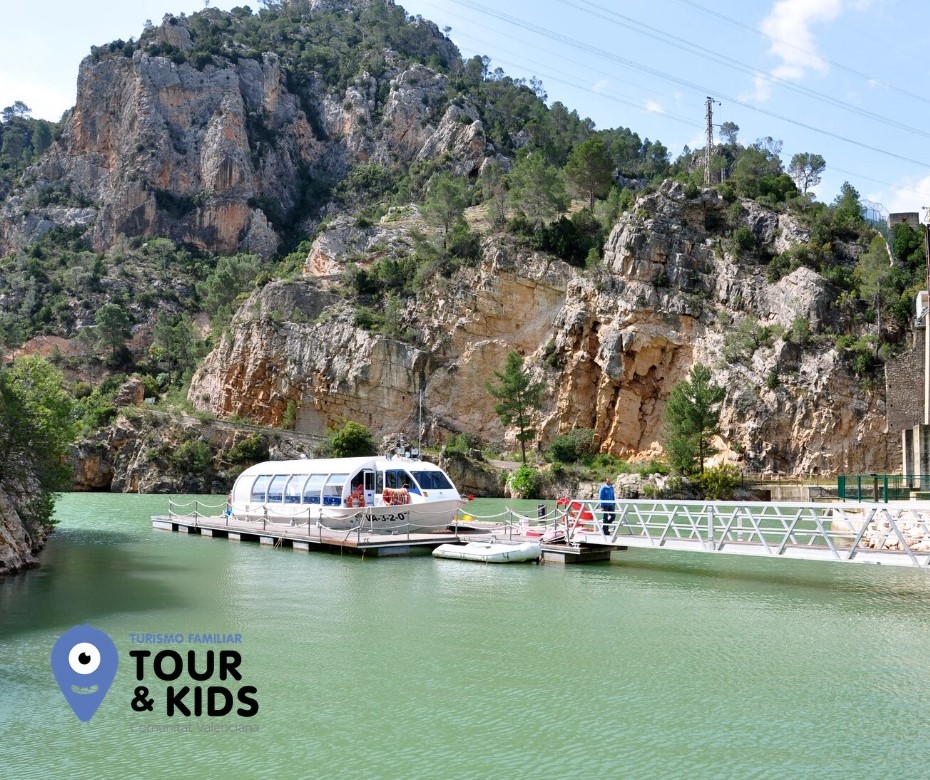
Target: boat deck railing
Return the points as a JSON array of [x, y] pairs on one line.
[[257, 516]]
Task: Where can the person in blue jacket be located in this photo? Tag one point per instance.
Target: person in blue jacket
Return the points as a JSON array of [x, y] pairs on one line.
[[606, 497]]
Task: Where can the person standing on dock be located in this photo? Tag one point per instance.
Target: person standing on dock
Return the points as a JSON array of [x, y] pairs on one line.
[[606, 497]]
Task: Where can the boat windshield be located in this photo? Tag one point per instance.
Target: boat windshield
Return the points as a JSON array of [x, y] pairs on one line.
[[260, 488], [332, 493], [293, 487], [432, 480], [276, 489], [313, 487]]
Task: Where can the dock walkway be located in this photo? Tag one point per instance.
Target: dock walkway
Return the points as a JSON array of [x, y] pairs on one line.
[[303, 537], [893, 534]]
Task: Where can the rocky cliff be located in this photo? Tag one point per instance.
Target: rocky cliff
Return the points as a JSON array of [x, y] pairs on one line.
[[18, 546], [224, 151], [144, 451], [236, 132], [609, 343]]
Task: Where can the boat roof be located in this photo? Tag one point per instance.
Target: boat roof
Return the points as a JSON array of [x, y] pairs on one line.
[[336, 465]]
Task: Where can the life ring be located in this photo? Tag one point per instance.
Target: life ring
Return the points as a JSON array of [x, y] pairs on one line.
[[581, 512], [562, 503], [395, 496], [356, 498]]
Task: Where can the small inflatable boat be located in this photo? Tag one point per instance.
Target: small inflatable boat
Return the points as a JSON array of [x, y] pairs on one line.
[[490, 552]]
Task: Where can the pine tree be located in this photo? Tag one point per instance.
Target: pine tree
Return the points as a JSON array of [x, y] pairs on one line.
[[589, 170], [445, 202], [692, 418], [536, 189], [519, 397], [113, 328]]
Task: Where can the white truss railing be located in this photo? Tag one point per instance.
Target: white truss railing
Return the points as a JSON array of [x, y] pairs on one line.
[[891, 534]]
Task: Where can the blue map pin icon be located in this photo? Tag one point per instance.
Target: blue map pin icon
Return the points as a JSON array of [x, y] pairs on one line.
[[84, 662]]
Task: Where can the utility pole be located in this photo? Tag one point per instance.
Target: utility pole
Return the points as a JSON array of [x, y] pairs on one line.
[[927, 330], [709, 103]]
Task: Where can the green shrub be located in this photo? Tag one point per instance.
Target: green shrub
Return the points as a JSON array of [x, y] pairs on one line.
[[744, 239], [349, 440], [800, 332], [192, 457], [606, 465], [251, 449], [526, 482], [719, 482], [463, 243], [572, 446], [741, 342], [654, 467], [290, 416], [463, 442]]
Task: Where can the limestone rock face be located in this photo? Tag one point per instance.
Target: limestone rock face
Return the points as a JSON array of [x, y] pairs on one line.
[[212, 156], [151, 452], [609, 345], [17, 546], [131, 393], [460, 135], [472, 477]]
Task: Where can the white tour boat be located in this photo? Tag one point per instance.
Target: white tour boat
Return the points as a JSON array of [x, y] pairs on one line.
[[381, 494]]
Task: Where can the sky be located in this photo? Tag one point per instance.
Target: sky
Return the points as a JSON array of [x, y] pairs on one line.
[[846, 79]]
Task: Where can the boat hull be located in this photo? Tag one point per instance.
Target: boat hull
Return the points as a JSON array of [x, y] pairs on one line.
[[408, 518]]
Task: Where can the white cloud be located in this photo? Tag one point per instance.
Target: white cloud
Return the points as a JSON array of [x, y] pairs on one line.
[[908, 194], [601, 86], [762, 89], [789, 30], [653, 107]]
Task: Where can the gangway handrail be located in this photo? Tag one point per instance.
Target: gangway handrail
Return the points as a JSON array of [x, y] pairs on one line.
[[889, 533]]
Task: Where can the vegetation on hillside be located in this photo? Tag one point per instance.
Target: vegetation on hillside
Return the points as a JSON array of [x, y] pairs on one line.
[[22, 141], [134, 306], [36, 426]]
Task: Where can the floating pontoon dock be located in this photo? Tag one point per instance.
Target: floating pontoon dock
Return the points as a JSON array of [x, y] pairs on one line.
[[892, 534], [303, 537]]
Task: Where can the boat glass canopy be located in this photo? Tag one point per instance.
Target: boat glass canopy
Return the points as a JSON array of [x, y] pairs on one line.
[[432, 480]]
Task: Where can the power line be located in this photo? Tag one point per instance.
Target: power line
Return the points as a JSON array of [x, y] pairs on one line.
[[562, 59], [839, 66], [522, 65], [624, 100], [681, 43], [674, 79]]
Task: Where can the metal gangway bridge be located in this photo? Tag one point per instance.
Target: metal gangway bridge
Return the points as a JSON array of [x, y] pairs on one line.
[[892, 534]]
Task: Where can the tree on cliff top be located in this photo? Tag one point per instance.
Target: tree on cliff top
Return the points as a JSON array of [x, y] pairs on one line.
[[692, 418], [536, 189], [445, 202], [589, 170], [806, 169], [519, 397]]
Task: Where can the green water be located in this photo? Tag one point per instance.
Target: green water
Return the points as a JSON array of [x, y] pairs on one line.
[[654, 665]]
